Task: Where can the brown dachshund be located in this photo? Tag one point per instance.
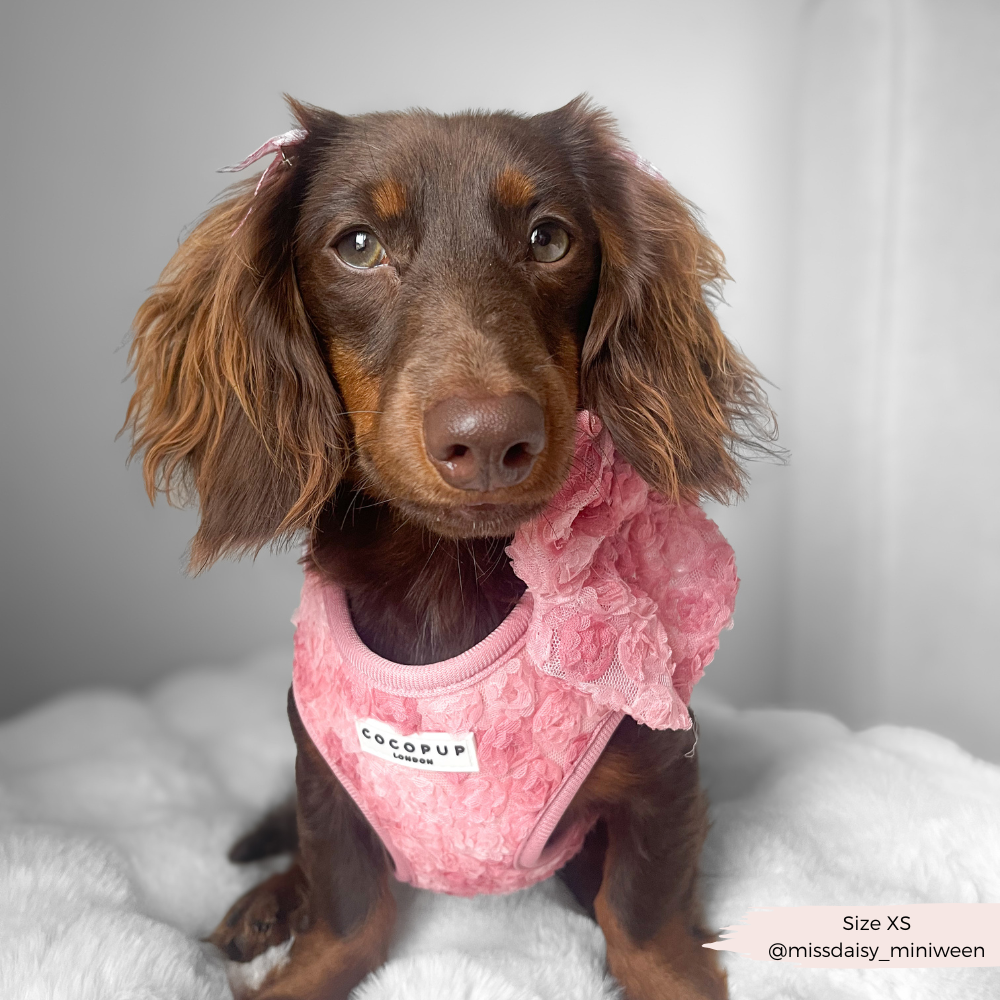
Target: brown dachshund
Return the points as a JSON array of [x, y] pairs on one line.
[[384, 350]]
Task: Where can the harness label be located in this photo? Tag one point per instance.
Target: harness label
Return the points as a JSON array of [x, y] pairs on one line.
[[424, 751]]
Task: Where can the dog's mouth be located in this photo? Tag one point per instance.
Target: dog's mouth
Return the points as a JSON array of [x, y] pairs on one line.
[[474, 519]]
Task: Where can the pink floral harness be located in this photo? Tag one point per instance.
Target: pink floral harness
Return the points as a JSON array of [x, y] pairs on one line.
[[465, 767]]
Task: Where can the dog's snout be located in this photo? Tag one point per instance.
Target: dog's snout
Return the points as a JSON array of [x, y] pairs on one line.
[[484, 443]]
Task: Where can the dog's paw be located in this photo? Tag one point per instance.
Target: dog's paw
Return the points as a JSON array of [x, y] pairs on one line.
[[265, 916]]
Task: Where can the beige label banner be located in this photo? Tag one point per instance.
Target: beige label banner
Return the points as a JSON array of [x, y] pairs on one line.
[[923, 935]]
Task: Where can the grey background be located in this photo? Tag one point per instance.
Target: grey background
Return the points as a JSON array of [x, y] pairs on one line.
[[771, 115]]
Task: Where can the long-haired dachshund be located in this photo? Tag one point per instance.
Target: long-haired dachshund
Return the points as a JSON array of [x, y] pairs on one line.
[[385, 348]]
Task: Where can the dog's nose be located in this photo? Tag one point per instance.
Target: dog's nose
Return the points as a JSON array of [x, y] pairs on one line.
[[485, 443]]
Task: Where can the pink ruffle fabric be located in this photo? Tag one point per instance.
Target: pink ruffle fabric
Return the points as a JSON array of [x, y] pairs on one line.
[[459, 833], [630, 592]]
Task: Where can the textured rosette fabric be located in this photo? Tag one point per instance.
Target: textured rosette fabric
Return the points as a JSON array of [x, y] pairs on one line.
[[626, 596], [629, 592], [459, 833]]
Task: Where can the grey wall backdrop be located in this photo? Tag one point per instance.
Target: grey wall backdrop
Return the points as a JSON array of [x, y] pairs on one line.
[[838, 151]]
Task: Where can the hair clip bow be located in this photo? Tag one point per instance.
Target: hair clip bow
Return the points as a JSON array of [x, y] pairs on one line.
[[277, 145], [642, 163]]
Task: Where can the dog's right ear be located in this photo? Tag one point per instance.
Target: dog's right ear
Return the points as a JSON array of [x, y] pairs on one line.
[[233, 399]]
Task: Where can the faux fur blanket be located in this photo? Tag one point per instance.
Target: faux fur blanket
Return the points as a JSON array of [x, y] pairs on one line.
[[116, 812]]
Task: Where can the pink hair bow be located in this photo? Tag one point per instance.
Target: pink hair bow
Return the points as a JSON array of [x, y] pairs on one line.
[[276, 145], [642, 163]]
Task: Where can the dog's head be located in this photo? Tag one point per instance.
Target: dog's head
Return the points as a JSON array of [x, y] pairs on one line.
[[421, 304]]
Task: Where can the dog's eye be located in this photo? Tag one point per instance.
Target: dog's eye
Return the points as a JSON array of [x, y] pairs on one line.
[[549, 242], [360, 249]]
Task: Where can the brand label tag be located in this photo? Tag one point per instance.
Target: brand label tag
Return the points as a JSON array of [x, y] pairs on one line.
[[424, 751]]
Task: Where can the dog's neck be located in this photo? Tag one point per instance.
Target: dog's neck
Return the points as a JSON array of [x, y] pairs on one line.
[[415, 597]]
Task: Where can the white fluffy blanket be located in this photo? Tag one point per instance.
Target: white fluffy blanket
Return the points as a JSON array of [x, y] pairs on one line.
[[116, 812]]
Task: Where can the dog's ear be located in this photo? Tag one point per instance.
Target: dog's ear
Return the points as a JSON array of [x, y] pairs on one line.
[[232, 398], [682, 404]]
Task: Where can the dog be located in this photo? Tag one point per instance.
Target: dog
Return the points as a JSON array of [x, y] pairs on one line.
[[384, 346]]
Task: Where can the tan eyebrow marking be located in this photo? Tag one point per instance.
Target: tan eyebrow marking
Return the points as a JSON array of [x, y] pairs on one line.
[[389, 198], [513, 188]]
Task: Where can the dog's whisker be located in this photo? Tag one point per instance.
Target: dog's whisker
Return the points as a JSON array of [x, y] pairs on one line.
[[458, 560], [416, 579], [347, 513], [475, 565]]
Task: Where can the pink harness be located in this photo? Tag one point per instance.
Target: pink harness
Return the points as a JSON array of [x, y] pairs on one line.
[[464, 767]]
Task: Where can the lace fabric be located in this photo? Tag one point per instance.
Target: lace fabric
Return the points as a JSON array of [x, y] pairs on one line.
[[630, 592]]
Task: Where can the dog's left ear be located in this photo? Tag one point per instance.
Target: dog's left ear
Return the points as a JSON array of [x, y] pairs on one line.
[[682, 404]]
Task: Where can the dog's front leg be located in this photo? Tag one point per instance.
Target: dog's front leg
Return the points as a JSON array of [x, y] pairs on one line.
[[335, 899], [647, 904]]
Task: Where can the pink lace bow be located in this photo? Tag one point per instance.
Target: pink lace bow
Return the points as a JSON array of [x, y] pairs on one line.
[[629, 591], [277, 145]]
